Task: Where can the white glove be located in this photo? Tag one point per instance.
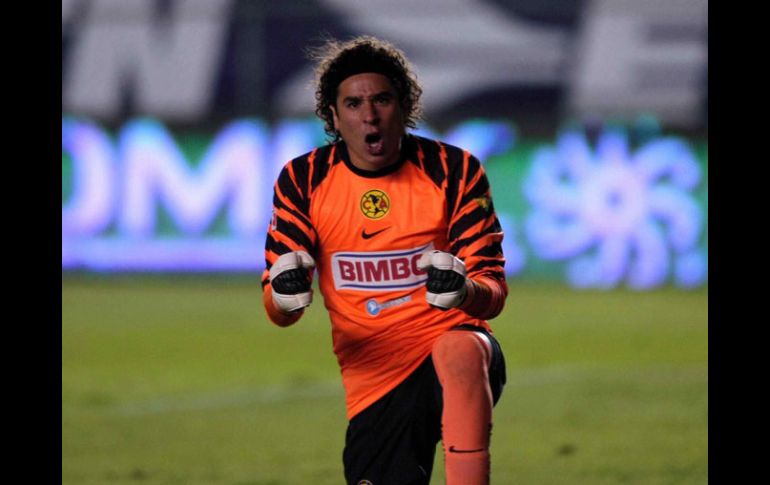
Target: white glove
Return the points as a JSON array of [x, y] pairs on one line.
[[290, 278], [446, 279]]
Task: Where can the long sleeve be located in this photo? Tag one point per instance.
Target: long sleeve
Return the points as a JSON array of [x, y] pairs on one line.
[[290, 228], [475, 236]]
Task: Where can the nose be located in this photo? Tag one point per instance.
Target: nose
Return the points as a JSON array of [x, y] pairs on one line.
[[371, 116]]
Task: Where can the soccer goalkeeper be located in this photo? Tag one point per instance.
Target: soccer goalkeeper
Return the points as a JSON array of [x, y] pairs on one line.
[[403, 234]]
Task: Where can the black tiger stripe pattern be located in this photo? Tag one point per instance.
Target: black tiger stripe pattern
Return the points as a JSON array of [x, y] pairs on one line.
[[474, 232]]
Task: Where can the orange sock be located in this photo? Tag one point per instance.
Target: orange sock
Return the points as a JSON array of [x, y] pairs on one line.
[[461, 360]]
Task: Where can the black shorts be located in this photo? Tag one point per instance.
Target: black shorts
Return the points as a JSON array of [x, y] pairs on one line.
[[393, 441]]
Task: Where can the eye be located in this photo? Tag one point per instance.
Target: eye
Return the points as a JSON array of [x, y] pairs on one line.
[[383, 99], [353, 103]]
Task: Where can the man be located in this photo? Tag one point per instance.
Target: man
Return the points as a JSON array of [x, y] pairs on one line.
[[404, 236]]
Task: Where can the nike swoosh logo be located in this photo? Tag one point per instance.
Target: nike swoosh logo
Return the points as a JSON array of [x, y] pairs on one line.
[[367, 235], [453, 450]]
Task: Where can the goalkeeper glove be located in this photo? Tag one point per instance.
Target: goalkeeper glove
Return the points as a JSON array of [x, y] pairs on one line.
[[446, 279], [290, 278]]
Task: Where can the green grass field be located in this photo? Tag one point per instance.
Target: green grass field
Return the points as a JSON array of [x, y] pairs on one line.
[[184, 381]]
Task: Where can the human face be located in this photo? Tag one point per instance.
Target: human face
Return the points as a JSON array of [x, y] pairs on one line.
[[370, 120]]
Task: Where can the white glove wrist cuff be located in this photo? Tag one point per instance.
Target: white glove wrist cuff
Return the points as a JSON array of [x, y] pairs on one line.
[[292, 303], [446, 300]]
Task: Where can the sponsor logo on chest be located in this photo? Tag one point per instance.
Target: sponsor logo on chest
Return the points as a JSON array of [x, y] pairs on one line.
[[378, 271]]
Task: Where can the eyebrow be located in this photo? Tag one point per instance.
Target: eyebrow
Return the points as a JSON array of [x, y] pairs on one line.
[[384, 93]]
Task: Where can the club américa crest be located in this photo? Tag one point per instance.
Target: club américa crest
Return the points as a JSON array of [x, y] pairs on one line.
[[375, 204]]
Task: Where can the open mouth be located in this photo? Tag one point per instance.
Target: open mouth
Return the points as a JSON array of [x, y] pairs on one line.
[[373, 138], [374, 143]]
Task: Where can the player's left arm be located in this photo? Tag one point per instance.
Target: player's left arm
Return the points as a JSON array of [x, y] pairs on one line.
[[470, 276]]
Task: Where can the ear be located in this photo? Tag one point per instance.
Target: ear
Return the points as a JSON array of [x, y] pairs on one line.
[[335, 119]]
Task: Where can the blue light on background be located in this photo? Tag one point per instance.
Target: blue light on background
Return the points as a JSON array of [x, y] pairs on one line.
[[615, 215], [609, 214]]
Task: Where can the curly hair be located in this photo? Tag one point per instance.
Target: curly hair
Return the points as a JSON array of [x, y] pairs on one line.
[[336, 61]]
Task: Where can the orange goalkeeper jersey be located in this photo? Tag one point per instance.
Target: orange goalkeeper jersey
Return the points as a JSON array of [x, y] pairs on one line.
[[366, 231]]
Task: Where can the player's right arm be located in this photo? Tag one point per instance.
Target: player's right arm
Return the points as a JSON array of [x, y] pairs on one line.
[[290, 241]]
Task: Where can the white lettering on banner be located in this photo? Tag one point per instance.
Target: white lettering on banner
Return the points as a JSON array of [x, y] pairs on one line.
[[622, 57], [641, 56], [155, 170], [379, 270], [127, 183], [507, 49], [90, 208], [170, 67]]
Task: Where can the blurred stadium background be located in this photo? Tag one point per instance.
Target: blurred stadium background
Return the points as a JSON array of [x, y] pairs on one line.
[[591, 117]]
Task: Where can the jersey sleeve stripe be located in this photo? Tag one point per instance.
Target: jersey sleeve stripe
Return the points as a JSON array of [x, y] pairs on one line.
[[465, 246], [294, 232], [442, 153], [476, 205], [421, 157], [488, 266], [273, 249], [470, 248], [282, 209], [457, 163], [471, 218], [300, 177], [478, 188], [473, 168], [430, 160], [491, 251], [276, 246], [310, 170], [324, 158], [290, 193], [281, 243]]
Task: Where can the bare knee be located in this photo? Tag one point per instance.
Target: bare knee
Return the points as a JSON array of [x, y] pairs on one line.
[[461, 358]]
